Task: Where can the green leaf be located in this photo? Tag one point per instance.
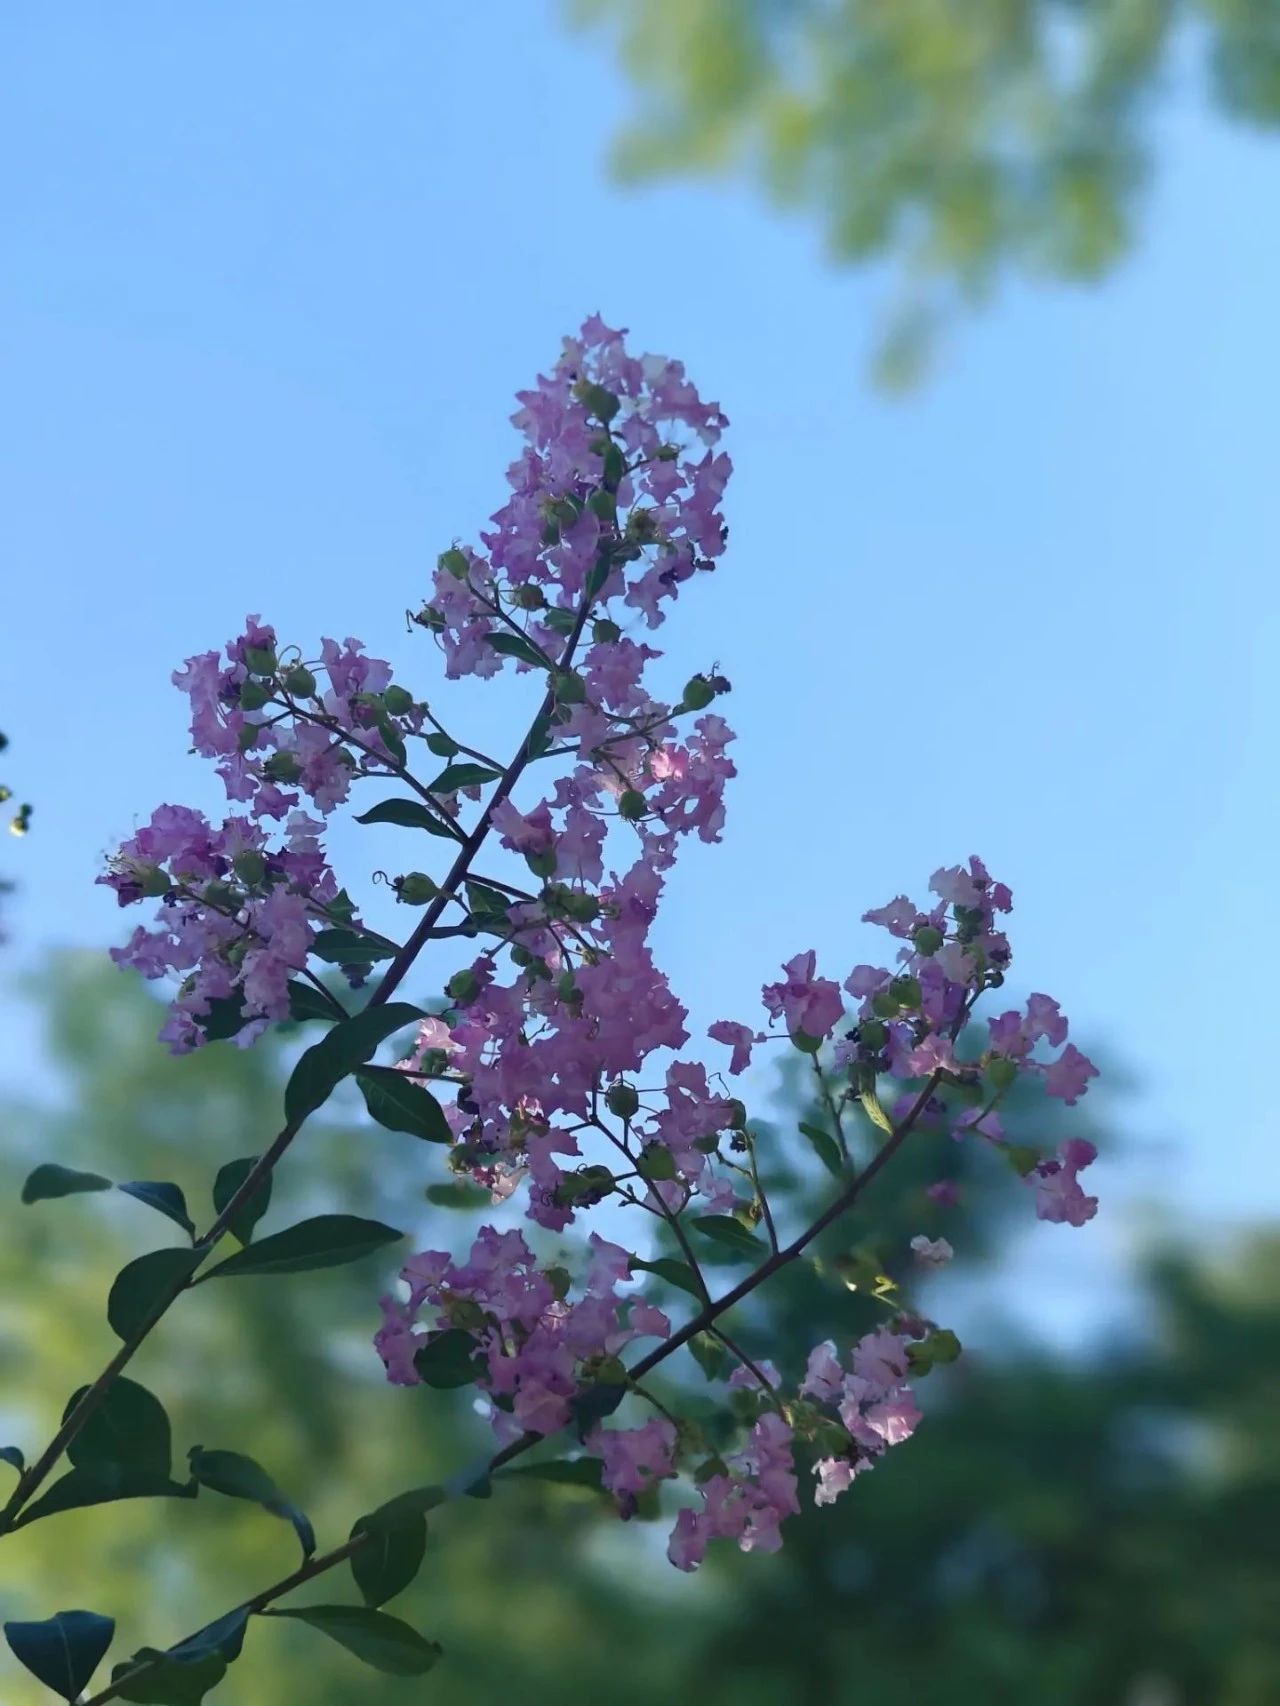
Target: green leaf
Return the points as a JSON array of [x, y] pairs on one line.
[[169, 1679], [306, 1002], [457, 1194], [225, 1019], [825, 1147], [488, 903], [11, 1454], [375, 1637], [166, 1199], [442, 745], [447, 1359], [240, 1477], [407, 814], [327, 1241], [562, 1471], [455, 776], [400, 1104], [594, 1405], [560, 621], [675, 1273], [128, 1428], [50, 1180], [141, 1290], [516, 646], [875, 1113], [732, 1234], [102, 1484], [348, 1045], [63, 1652], [709, 1354], [392, 1554], [350, 948], [229, 1180]]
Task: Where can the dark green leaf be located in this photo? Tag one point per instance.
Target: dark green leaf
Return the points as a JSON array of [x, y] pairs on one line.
[[225, 1019], [448, 1359], [731, 1233], [224, 1635], [141, 1290], [488, 903], [563, 1471], [516, 646], [561, 621], [129, 1427], [675, 1273], [825, 1148], [348, 1045], [709, 1354], [406, 814], [166, 1199], [391, 737], [594, 1405], [442, 745], [457, 1195], [455, 776], [228, 1182], [327, 1241], [102, 1484], [50, 1180], [350, 948], [392, 1554], [376, 1637], [63, 1652], [169, 1679], [11, 1454], [400, 1104], [239, 1477], [417, 1499], [306, 1002]]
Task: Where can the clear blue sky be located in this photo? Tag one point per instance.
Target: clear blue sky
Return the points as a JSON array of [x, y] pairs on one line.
[[270, 276]]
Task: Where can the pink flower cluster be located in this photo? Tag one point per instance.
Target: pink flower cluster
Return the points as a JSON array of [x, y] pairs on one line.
[[875, 1405]]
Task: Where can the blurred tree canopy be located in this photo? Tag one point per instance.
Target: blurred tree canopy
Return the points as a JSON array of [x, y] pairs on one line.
[[958, 138], [1083, 1534]]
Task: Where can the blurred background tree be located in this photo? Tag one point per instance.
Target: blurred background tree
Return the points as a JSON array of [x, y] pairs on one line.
[[959, 139], [1082, 1533]]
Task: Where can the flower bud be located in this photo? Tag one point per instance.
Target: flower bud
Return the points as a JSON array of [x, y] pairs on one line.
[[571, 689], [415, 888], [300, 682], [1001, 1072], [737, 1115], [622, 1100], [463, 986], [603, 404], [259, 661], [528, 597], [928, 939], [698, 693], [250, 867], [631, 805], [656, 1162], [398, 700], [253, 695], [604, 632], [873, 1035], [542, 864], [282, 767]]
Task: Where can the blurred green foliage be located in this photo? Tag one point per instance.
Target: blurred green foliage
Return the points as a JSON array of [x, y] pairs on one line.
[[959, 138], [1079, 1534]]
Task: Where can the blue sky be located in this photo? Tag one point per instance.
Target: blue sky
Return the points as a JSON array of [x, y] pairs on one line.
[[270, 276]]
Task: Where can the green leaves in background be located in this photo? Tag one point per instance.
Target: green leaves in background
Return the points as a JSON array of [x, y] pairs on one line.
[[375, 1637], [240, 1477], [64, 1651], [348, 1045], [326, 1241]]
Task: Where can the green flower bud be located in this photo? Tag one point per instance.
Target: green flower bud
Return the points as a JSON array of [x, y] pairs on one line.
[[884, 1005], [872, 1034], [805, 1043], [604, 632], [398, 700], [259, 661], [1001, 1072], [221, 895], [247, 737], [737, 1115], [541, 864], [463, 985], [656, 1162], [415, 888], [668, 452], [528, 597], [300, 682], [698, 693], [601, 403], [454, 562], [253, 695], [571, 689], [560, 1280], [622, 1100], [631, 805], [282, 767], [928, 939], [906, 990], [250, 867]]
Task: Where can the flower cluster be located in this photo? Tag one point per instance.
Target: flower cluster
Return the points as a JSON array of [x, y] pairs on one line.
[[556, 1047]]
